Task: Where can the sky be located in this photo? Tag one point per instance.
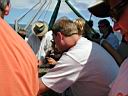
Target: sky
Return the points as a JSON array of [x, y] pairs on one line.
[[20, 7]]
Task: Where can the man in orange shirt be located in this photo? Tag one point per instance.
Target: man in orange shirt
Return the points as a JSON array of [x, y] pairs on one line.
[[18, 64]]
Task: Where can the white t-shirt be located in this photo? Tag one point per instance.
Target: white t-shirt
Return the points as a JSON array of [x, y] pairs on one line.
[[120, 86], [34, 42], [86, 68], [40, 48]]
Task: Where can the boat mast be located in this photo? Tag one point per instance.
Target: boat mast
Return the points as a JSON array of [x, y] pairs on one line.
[[54, 15]]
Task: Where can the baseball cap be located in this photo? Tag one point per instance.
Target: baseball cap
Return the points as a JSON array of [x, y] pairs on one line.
[[40, 28]]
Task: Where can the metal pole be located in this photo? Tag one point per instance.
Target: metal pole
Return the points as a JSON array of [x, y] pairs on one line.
[[54, 15], [74, 10], [34, 16], [22, 16]]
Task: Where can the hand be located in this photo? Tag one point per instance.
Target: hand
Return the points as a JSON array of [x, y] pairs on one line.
[[51, 60]]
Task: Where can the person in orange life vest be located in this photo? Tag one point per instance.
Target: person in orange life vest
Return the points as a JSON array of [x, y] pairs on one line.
[[18, 64]]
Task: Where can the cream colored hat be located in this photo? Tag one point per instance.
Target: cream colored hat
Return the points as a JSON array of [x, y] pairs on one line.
[[40, 28]]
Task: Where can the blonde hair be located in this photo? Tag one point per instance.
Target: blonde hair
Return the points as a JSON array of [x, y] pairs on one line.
[[80, 23]]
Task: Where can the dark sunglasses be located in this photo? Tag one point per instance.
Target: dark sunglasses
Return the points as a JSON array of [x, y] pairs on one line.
[[102, 26], [117, 11]]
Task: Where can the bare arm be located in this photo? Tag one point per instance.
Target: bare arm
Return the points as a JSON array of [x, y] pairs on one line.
[[42, 88], [113, 52]]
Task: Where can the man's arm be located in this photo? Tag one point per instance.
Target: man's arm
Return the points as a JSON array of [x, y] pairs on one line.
[[118, 58], [42, 88]]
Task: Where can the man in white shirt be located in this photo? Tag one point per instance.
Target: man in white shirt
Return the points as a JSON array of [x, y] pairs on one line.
[[40, 39], [84, 66]]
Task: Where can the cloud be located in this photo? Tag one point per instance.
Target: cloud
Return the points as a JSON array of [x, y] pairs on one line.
[[84, 1], [23, 3], [30, 3], [80, 5], [49, 5]]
